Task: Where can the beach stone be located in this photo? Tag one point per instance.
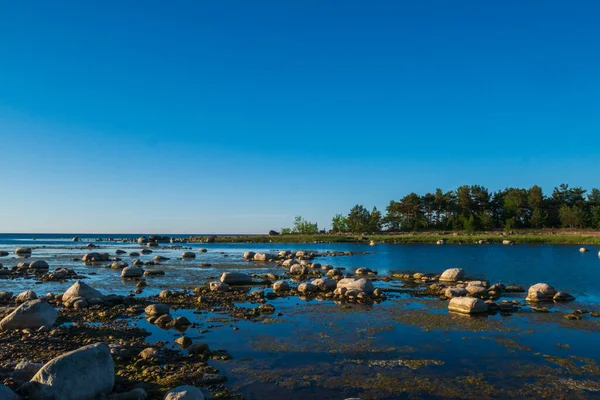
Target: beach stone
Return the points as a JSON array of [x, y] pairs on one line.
[[363, 285], [562, 296], [132, 272], [455, 292], [23, 251], [84, 374], [39, 265], [32, 314], [184, 393], [149, 353], [25, 370], [217, 286], [583, 250], [119, 251], [332, 273], [298, 269], [514, 289], [325, 284], [475, 289], [119, 265], [7, 394], [363, 271], [266, 309], [142, 240], [289, 262], [540, 292], [281, 286], [160, 258], [184, 342], [508, 242], [145, 251], [157, 309], [80, 303], [163, 320], [467, 305], [82, 289], [3, 253], [300, 253], [26, 296], [249, 255], [95, 257], [202, 250], [236, 278], [307, 288], [134, 254], [180, 322], [188, 254], [260, 257], [6, 296], [198, 348], [284, 253], [137, 263], [452, 274]]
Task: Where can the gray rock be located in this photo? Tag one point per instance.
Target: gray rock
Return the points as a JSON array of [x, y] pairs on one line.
[[95, 257], [184, 393], [540, 292], [218, 286], [39, 265], [25, 370], [249, 255], [562, 296], [307, 288], [281, 286], [3, 253], [363, 285], [154, 272], [452, 274], [32, 314], [467, 305], [236, 278], [84, 374], [260, 257], [26, 296], [298, 269], [81, 289], [157, 309], [132, 272], [288, 263], [23, 251], [7, 394], [455, 292], [325, 284], [188, 254]]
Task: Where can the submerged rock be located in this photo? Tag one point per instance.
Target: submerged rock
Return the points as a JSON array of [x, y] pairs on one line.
[[84, 374], [188, 254], [467, 305], [452, 274], [562, 296], [32, 314]]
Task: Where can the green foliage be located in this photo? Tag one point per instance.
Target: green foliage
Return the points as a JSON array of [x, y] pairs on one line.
[[286, 231], [571, 217], [339, 224], [304, 227]]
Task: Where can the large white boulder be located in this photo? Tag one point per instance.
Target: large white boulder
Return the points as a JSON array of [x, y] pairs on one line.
[[540, 292], [82, 289], [467, 305], [83, 374], [363, 285], [32, 314], [452, 274]]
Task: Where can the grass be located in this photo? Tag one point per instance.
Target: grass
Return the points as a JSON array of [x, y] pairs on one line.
[[518, 237]]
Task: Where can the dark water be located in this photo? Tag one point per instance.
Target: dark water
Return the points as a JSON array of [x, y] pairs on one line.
[[406, 347]]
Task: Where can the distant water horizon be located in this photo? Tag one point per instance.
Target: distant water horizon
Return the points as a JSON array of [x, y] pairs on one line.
[[121, 235]]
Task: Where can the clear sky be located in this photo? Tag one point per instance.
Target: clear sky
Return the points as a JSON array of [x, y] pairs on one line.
[[234, 116]]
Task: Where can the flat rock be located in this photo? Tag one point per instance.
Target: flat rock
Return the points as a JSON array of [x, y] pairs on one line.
[[467, 305]]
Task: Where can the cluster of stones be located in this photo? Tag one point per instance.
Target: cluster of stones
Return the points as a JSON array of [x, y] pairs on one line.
[[39, 268], [55, 379]]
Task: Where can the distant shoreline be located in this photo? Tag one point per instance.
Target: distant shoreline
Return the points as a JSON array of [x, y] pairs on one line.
[[517, 237]]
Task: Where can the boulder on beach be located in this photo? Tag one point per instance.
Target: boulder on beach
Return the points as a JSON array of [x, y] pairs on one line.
[[95, 257], [217, 286], [236, 278], [157, 309], [154, 272], [39, 265], [26, 296], [132, 272], [32, 314], [452, 274], [249, 255], [307, 288], [298, 269], [467, 305], [325, 284], [142, 240], [583, 250], [83, 374], [508, 242], [455, 292], [281, 286], [119, 265], [184, 393], [363, 285], [260, 257], [563, 296], [289, 262], [23, 251], [188, 254], [83, 290], [540, 292]]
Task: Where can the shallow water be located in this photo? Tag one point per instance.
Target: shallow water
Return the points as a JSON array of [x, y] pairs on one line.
[[405, 347]]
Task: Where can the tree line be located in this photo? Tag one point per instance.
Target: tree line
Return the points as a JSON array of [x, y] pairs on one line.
[[472, 208]]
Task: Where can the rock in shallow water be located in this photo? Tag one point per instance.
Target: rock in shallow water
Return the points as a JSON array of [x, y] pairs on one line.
[[452, 274], [82, 289], [281, 286], [467, 305], [236, 278], [363, 285], [540, 292], [84, 374], [32, 314]]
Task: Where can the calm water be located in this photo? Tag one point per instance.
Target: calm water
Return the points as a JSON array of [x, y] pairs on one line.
[[405, 347]]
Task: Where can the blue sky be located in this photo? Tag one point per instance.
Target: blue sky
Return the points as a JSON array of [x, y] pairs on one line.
[[234, 116]]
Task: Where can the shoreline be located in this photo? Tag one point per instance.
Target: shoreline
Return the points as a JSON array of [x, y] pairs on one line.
[[525, 237]]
